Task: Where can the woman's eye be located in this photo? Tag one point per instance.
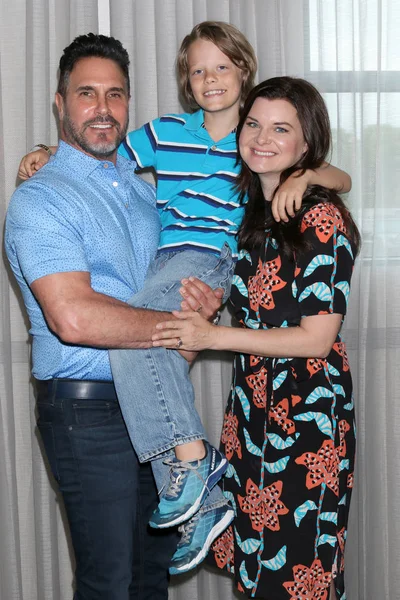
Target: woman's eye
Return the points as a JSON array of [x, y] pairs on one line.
[[281, 130], [251, 124]]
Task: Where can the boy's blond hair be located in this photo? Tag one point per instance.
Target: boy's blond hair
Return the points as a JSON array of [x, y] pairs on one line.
[[231, 42]]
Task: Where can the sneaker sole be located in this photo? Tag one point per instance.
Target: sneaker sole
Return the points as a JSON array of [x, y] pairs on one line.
[[214, 533], [212, 480]]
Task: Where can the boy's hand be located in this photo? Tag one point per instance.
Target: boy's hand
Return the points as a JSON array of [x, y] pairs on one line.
[[199, 297], [289, 196], [31, 163]]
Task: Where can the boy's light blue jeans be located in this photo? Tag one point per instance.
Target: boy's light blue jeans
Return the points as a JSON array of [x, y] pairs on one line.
[[153, 385]]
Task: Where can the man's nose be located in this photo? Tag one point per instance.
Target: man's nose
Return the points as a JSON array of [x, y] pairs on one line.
[[102, 105]]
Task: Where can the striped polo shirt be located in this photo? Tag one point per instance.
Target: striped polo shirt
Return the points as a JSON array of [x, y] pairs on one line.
[[196, 176]]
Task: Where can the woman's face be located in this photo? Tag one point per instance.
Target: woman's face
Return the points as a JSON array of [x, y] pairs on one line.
[[271, 139]]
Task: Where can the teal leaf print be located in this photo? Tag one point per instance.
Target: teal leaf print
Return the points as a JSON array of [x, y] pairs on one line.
[[350, 406], [244, 401], [249, 546], [281, 361], [342, 241], [323, 422], [318, 261], [280, 444], [244, 577], [250, 446], [319, 289], [294, 289], [252, 323], [242, 362], [231, 472], [238, 282], [344, 287], [319, 392], [276, 563], [302, 510], [278, 466], [333, 371], [339, 389], [244, 254], [229, 496], [344, 464], [329, 516], [279, 379], [343, 500], [327, 539]]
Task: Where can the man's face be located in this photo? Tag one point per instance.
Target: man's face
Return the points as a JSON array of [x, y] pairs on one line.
[[94, 112]]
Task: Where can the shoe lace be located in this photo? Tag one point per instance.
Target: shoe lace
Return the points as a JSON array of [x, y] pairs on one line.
[[177, 473], [187, 529]]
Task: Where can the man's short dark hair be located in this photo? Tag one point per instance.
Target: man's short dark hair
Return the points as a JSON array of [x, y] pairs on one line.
[[92, 44]]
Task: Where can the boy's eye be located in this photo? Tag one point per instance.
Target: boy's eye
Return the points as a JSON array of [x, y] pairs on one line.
[[197, 72], [222, 68]]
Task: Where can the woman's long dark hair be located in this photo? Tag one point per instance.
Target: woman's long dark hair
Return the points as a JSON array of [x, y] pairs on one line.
[[314, 121]]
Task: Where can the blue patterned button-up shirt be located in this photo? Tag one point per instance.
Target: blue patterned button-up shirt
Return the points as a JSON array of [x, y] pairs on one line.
[[80, 214]]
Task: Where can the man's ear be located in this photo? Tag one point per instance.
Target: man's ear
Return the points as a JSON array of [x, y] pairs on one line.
[[59, 100]]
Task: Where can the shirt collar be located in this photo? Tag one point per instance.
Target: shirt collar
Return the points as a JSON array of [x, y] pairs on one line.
[[195, 122], [83, 164]]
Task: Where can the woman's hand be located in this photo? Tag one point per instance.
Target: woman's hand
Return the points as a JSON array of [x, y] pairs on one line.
[[289, 196], [31, 163], [190, 328]]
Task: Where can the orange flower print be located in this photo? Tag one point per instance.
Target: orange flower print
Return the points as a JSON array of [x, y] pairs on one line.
[[262, 285], [324, 218], [309, 583], [263, 506], [314, 365], [341, 536], [223, 548], [279, 414], [258, 383], [340, 348], [229, 436], [344, 427], [323, 467]]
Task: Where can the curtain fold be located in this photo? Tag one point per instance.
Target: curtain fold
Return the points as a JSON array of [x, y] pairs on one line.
[[349, 50]]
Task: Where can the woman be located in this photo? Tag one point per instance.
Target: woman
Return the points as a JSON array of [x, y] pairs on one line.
[[289, 425]]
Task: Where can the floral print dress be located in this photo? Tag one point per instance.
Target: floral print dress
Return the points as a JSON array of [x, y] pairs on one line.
[[289, 430]]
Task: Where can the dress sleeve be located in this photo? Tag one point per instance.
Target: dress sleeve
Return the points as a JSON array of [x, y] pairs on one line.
[[141, 145], [323, 269]]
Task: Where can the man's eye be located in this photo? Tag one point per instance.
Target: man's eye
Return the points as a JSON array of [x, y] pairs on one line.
[[115, 95]]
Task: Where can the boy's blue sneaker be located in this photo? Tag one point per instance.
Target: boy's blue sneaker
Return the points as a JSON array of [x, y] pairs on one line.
[[190, 483], [197, 536]]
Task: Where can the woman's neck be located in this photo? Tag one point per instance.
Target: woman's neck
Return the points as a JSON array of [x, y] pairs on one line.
[[269, 183]]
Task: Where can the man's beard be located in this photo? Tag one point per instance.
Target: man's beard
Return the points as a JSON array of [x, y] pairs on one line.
[[101, 149]]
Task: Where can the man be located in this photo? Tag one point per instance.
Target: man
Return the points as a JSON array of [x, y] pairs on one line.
[[79, 237]]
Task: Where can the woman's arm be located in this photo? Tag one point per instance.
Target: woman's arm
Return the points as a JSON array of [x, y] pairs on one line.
[[289, 195], [314, 337]]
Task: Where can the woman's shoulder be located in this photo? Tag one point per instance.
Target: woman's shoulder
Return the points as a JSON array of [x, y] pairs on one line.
[[323, 216]]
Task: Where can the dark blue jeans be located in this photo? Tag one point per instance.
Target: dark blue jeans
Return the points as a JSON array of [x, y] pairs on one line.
[[108, 497]]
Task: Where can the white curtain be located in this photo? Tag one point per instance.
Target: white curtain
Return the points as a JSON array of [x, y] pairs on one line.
[[349, 49]]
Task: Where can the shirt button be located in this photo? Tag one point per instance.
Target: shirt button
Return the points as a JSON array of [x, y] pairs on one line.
[[213, 147], [126, 205], [105, 165], [115, 183]]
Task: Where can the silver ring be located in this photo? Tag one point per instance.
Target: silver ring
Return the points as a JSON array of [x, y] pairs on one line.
[[199, 309], [179, 343]]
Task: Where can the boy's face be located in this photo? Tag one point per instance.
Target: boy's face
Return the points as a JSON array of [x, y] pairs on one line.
[[215, 81]]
